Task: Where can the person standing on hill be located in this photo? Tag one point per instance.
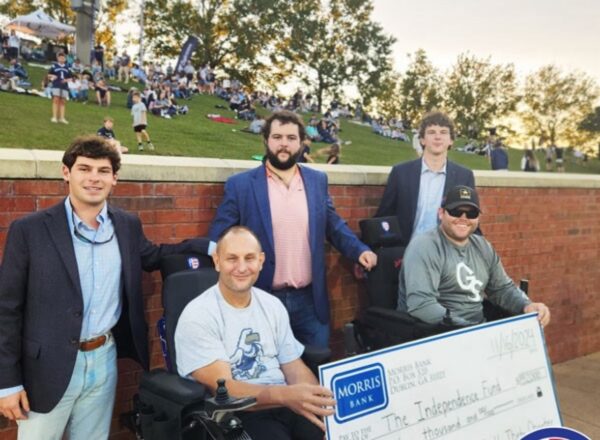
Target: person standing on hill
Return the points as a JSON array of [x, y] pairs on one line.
[[140, 121], [529, 162], [59, 74], [498, 157]]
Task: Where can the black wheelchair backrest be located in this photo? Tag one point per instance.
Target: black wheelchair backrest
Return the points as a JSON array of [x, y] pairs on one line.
[[180, 262], [382, 234], [179, 289]]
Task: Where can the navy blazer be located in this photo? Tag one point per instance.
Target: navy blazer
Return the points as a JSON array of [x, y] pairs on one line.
[[246, 202], [41, 302], [402, 192]]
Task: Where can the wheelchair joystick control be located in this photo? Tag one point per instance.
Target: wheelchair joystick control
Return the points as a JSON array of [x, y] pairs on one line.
[[222, 395]]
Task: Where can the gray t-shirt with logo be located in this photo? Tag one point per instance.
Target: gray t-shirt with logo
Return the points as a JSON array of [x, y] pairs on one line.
[[255, 340], [438, 275]]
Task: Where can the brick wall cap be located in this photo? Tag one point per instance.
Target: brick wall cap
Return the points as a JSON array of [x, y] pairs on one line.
[[45, 164]]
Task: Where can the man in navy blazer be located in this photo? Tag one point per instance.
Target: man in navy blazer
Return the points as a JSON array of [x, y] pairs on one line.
[[289, 208], [70, 298], [415, 189]]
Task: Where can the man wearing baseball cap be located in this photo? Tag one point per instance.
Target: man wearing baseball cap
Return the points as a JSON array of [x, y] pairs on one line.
[[447, 270]]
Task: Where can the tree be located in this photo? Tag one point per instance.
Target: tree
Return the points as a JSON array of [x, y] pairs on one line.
[[555, 103], [388, 99], [59, 9], [14, 8], [334, 44], [420, 88], [106, 22], [478, 92], [232, 34], [591, 122]]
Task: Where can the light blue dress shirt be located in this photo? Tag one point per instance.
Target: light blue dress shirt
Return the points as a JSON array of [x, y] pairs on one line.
[[99, 267], [431, 192]]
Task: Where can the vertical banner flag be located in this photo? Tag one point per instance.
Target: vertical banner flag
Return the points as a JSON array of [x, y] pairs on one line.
[[186, 53]]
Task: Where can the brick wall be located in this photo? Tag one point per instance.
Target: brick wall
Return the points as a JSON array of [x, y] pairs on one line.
[[549, 235]]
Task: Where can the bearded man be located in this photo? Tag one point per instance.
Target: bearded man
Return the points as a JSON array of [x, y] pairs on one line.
[[289, 208]]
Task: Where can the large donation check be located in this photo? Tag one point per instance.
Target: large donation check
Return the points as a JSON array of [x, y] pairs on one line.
[[488, 382]]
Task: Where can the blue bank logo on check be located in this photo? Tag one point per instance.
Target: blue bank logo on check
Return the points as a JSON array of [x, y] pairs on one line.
[[359, 392]]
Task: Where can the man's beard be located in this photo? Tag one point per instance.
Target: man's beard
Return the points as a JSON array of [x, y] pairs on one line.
[[277, 164]]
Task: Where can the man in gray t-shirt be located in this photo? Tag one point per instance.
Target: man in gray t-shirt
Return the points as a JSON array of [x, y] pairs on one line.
[[243, 334], [447, 270]]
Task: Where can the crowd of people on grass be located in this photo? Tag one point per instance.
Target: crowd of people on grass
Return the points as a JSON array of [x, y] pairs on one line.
[[163, 92]]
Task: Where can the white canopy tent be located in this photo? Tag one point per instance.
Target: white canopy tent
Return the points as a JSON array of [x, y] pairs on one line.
[[41, 25]]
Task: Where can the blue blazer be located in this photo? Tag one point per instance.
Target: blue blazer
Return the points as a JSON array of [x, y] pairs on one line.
[[41, 302], [246, 202], [402, 192]]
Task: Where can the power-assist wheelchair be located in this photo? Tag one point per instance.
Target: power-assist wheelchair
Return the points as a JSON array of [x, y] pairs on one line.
[[169, 407], [381, 325]]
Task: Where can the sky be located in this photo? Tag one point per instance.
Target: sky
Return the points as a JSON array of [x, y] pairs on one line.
[[527, 33]]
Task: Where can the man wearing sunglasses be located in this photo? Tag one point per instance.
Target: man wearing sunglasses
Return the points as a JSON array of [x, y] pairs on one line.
[[447, 270], [70, 296]]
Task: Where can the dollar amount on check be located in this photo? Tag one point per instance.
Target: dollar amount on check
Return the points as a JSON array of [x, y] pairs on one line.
[[488, 382]]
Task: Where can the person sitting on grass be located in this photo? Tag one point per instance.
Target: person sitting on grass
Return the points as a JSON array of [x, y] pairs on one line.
[[324, 133], [106, 131], [256, 126], [102, 93], [305, 156], [84, 88], [17, 69], [333, 153]]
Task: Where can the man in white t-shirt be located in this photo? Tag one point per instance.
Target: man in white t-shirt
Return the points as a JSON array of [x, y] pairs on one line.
[[242, 334]]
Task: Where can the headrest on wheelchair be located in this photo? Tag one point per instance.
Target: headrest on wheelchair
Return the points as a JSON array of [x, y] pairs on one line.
[[178, 262], [380, 231]]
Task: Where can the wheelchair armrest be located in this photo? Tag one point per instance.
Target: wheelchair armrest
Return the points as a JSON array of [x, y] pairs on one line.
[[316, 355], [390, 315], [400, 326], [173, 387]]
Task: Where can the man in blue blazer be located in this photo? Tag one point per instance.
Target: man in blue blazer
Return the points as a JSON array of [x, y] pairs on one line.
[[289, 208], [415, 189], [70, 298]]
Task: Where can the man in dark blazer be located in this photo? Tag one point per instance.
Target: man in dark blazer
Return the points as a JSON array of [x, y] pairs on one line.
[[415, 189], [289, 208], [70, 290]]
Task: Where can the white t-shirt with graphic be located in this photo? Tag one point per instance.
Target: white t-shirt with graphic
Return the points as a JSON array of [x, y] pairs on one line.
[[255, 340]]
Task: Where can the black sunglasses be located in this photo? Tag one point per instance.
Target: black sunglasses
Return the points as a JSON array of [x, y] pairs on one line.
[[458, 212], [83, 238]]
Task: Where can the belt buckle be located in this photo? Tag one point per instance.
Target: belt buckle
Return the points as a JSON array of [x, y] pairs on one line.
[[94, 343]]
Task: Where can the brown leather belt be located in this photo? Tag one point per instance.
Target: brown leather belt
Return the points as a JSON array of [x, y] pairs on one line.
[[92, 344]]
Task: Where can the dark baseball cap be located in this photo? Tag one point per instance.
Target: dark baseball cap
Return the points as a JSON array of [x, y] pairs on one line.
[[461, 195]]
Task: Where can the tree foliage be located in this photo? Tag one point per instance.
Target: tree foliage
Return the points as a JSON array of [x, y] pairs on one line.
[[232, 34], [591, 122], [478, 92], [58, 9], [106, 22], [420, 88], [334, 44], [555, 103]]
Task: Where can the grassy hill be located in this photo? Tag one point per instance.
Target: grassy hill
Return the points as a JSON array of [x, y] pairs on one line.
[[26, 123]]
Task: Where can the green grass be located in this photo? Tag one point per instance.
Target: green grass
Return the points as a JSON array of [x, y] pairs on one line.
[[27, 122]]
